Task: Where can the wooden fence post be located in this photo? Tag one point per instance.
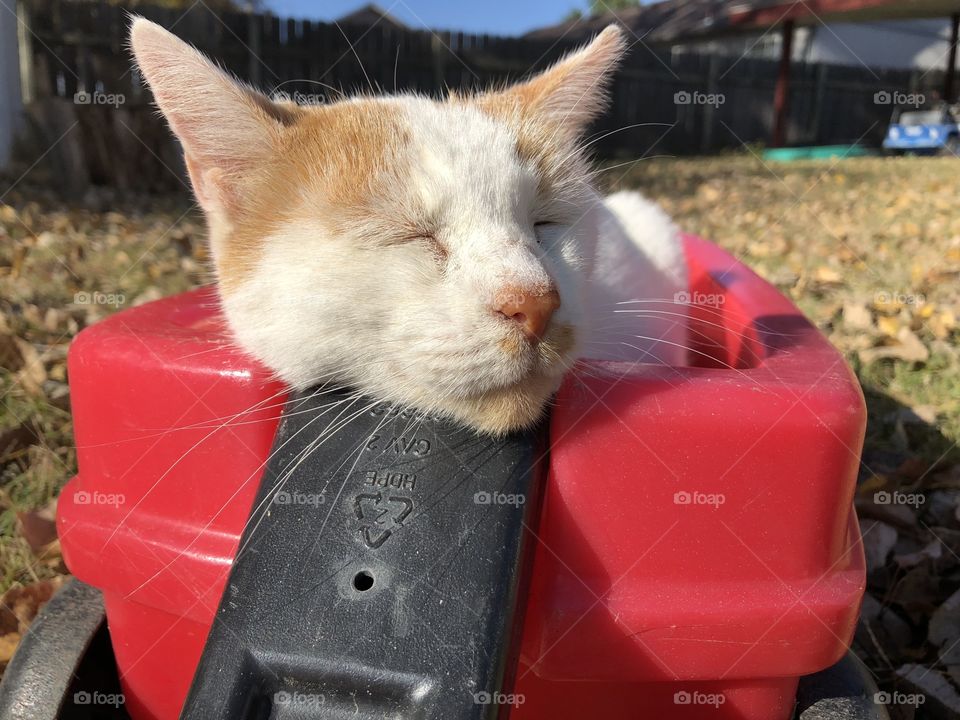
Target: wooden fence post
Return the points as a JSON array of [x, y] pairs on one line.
[[11, 100], [254, 48], [709, 110], [24, 44], [819, 98], [438, 54]]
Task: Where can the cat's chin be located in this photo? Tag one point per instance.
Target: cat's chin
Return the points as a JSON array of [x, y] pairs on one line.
[[505, 409]]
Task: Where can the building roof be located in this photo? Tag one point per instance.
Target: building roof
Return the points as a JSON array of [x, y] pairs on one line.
[[678, 20], [764, 13], [371, 14], [658, 20]]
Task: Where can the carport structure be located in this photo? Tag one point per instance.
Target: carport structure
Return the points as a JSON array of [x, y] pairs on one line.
[[732, 18]]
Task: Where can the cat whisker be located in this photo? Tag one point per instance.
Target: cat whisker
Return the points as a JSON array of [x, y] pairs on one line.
[[329, 431], [726, 365], [754, 357], [652, 314], [598, 138], [716, 311], [608, 168], [354, 51], [215, 515], [217, 423], [346, 477]]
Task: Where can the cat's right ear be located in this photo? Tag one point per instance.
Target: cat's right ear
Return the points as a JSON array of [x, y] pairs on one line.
[[226, 128], [572, 92]]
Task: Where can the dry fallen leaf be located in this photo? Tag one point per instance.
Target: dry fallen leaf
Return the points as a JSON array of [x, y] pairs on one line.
[[931, 551], [856, 316], [916, 592], [889, 325], [878, 541], [8, 645], [908, 348], [941, 699], [942, 324], [825, 275], [10, 357], [39, 527], [18, 609], [944, 629], [32, 373]]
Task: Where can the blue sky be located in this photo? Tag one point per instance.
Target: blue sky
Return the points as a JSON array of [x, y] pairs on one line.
[[503, 17]]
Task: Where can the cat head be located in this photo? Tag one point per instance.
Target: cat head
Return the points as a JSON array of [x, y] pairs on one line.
[[429, 253]]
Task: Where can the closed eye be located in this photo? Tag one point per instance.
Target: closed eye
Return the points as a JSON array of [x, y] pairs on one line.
[[436, 247], [416, 233], [539, 227]]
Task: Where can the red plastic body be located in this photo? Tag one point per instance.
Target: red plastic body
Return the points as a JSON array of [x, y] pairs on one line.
[[697, 551]]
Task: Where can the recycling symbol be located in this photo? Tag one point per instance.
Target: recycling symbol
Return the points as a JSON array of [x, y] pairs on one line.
[[380, 516]]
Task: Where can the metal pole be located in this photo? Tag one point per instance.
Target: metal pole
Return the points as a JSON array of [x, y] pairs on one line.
[[781, 95], [948, 78]]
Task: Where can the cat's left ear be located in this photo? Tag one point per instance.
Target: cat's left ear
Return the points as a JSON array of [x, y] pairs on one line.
[[571, 93]]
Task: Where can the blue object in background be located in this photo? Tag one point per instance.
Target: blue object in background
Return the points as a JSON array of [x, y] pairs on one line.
[[923, 131]]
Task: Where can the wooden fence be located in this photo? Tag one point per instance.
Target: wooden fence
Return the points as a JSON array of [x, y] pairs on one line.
[[663, 102]]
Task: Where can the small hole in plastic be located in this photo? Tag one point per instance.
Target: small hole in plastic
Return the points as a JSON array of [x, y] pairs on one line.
[[363, 581]]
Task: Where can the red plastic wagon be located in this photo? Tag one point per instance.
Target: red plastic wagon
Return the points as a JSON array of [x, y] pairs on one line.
[[696, 552]]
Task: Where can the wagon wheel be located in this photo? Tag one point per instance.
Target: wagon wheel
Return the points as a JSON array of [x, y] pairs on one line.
[[64, 659]]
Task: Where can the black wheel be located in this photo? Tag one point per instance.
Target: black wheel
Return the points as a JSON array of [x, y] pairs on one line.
[[842, 692], [64, 667]]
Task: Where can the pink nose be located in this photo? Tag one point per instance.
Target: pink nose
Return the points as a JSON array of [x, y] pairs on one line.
[[532, 310]]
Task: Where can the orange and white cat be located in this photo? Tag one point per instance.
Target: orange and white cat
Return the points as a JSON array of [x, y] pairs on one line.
[[448, 255]]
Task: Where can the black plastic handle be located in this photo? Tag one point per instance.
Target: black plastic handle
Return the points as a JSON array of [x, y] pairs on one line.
[[380, 574]]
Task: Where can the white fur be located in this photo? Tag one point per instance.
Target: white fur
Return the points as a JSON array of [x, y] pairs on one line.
[[330, 301], [386, 319], [638, 283]]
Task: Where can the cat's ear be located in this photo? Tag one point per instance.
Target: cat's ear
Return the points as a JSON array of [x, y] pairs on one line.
[[225, 127], [571, 93]]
